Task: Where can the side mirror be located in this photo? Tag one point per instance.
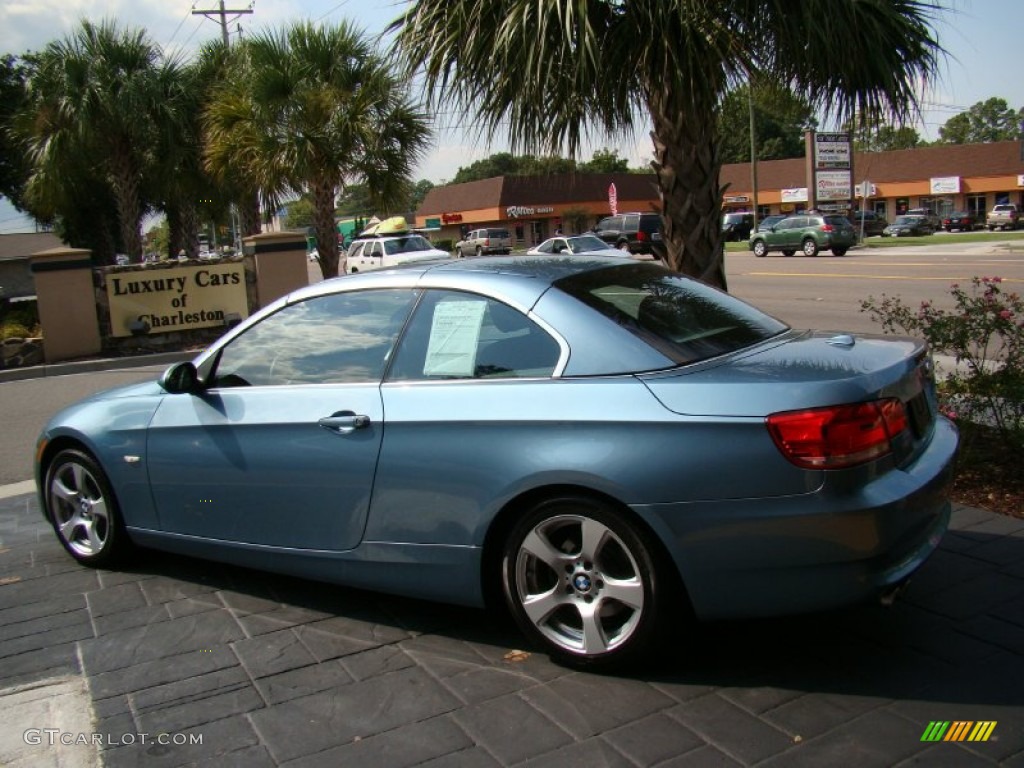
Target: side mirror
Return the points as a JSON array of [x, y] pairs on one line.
[[180, 378]]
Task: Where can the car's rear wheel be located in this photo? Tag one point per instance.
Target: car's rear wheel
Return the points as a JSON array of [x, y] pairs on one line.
[[760, 249], [810, 248], [83, 509], [582, 581], [838, 251]]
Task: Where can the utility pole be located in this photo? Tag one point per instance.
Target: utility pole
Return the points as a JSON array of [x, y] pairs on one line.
[[223, 13]]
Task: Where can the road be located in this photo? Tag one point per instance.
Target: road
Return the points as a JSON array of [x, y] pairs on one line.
[[824, 292]]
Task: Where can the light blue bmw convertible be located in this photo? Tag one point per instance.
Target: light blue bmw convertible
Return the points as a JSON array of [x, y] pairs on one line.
[[607, 446]]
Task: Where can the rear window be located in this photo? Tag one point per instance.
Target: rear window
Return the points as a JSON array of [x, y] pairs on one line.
[[682, 318], [497, 233], [837, 221], [650, 223]]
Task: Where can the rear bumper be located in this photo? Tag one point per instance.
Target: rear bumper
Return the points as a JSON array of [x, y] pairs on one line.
[[832, 547]]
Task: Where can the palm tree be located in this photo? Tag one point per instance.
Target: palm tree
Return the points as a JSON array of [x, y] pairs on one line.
[[94, 96], [541, 68], [312, 109]]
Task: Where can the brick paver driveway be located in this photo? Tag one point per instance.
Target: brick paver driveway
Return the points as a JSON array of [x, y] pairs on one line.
[[278, 671]]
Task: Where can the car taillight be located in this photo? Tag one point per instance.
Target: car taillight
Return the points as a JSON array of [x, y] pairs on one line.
[[641, 236], [838, 436], [826, 227], [487, 242]]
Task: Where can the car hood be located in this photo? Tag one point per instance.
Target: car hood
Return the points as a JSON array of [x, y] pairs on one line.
[[433, 253], [808, 369]]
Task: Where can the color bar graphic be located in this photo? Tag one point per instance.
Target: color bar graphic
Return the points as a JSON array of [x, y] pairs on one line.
[[959, 730]]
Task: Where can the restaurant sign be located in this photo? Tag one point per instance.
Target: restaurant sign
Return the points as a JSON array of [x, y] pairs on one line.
[[519, 211], [175, 299]]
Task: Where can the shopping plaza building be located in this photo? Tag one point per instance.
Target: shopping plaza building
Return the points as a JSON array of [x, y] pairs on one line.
[[965, 177]]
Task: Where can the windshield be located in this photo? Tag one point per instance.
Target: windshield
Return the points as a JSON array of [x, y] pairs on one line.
[[682, 318], [907, 220], [407, 244], [587, 243]]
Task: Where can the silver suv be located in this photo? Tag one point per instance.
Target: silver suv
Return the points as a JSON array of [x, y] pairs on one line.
[[484, 241]]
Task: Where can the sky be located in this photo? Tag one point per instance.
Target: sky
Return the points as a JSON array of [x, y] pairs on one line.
[[981, 37]]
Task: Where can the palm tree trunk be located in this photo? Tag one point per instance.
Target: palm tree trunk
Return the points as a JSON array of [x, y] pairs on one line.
[[324, 227], [687, 165], [249, 214], [126, 195]]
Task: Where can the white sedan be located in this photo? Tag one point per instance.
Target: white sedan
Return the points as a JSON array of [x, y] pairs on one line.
[[574, 244]]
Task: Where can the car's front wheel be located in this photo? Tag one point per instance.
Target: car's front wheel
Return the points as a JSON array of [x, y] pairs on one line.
[[582, 581], [83, 509], [760, 249], [810, 248]]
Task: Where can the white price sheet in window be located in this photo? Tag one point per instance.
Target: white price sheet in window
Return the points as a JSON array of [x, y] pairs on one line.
[[454, 334]]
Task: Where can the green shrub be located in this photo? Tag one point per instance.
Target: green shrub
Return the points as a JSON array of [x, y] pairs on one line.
[[985, 335], [12, 330]]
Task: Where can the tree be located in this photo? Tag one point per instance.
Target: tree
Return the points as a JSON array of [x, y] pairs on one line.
[[780, 119], [312, 109], [96, 97], [986, 121], [605, 161], [300, 214], [14, 166], [535, 68]]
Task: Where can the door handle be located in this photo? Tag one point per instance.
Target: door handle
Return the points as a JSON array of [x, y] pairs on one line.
[[344, 422]]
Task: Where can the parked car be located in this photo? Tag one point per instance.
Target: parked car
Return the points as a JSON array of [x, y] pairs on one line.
[[809, 233], [933, 219], [765, 224], [909, 226], [443, 431], [868, 222], [737, 226], [633, 232], [379, 251], [484, 242], [960, 220], [1003, 216], [573, 244]]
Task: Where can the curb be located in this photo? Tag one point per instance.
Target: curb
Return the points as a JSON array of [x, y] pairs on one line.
[[93, 365]]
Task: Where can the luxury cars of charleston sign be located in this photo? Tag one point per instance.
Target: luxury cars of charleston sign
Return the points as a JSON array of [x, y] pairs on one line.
[[176, 299]]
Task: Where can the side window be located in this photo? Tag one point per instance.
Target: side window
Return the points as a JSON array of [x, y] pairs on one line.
[[548, 247], [356, 250], [373, 249], [340, 338], [632, 222], [455, 335]]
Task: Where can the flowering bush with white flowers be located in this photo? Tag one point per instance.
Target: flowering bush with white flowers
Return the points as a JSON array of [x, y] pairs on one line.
[[984, 333]]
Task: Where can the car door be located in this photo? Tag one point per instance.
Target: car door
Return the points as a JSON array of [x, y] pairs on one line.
[[776, 236], [467, 375], [281, 447]]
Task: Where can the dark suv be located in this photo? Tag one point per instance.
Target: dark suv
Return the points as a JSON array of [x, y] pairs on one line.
[[633, 232], [736, 226]]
